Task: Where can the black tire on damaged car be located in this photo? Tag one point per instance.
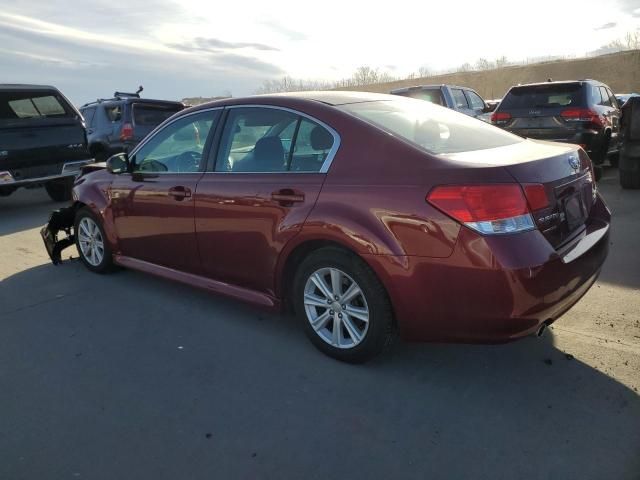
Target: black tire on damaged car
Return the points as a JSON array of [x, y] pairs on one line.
[[380, 331], [59, 190]]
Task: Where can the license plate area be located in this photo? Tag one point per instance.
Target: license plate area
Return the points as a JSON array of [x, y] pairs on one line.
[[574, 211]]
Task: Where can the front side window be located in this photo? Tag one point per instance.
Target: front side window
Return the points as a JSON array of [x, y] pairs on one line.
[[178, 147], [475, 100], [435, 129], [267, 140], [459, 99], [606, 102]]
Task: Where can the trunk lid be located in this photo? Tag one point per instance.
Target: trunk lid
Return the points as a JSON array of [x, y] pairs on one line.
[[565, 172]]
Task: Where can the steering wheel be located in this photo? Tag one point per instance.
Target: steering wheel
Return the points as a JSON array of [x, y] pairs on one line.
[[188, 161]]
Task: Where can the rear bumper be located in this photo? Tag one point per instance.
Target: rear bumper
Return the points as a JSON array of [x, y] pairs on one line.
[[63, 170], [493, 289]]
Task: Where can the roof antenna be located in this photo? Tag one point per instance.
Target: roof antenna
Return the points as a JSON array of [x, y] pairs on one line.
[[548, 80], [140, 88]]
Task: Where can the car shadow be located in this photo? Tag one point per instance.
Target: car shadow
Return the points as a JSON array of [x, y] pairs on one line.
[[203, 384], [25, 209]]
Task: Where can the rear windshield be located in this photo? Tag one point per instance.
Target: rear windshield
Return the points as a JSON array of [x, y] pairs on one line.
[[544, 96], [33, 104], [433, 128], [433, 95], [152, 115]]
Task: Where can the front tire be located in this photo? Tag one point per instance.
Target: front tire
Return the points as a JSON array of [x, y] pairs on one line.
[[59, 190], [91, 241], [344, 308]]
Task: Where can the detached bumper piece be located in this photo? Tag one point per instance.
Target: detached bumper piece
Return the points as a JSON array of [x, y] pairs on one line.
[[61, 220]]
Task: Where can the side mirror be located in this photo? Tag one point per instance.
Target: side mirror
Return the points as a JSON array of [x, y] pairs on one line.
[[118, 163]]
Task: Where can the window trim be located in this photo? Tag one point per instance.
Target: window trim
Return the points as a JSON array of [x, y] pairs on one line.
[[166, 123], [325, 165]]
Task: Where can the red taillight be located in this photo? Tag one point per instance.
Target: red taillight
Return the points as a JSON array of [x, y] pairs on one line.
[[488, 209], [127, 132], [581, 115], [500, 117], [536, 196]]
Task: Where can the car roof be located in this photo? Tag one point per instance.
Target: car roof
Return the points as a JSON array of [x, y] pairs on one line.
[[429, 87], [559, 82], [329, 97], [109, 101], [25, 86]]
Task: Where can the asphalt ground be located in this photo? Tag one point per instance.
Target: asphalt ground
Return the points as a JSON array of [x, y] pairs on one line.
[[127, 376]]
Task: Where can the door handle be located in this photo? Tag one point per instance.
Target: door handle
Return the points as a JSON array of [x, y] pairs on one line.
[[180, 192], [287, 197]]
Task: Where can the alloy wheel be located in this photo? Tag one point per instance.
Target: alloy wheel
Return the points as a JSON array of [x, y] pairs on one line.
[[336, 307], [90, 241]]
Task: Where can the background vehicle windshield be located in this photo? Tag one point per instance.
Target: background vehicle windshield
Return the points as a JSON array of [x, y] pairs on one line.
[[544, 96], [433, 128]]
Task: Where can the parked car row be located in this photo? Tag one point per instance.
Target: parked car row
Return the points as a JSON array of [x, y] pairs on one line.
[[45, 140], [583, 112]]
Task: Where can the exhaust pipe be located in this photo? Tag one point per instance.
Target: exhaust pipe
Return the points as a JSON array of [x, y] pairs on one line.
[[541, 330]]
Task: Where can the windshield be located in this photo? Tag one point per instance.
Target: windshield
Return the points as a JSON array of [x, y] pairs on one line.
[[544, 96], [433, 128]]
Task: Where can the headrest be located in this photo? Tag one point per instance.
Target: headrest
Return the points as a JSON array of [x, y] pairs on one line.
[[321, 139]]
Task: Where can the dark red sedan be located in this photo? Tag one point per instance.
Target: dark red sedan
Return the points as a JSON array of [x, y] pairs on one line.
[[366, 213]]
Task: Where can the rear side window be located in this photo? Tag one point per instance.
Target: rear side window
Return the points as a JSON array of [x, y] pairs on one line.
[[435, 129], [152, 115], [459, 99], [267, 140], [544, 96], [88, 114], [433, 95], [33, 104], [114, 113]]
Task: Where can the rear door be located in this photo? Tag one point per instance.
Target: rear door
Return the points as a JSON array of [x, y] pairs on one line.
[[612, 116], [153, 207], [39, 132], [536, 111], [269, 169]]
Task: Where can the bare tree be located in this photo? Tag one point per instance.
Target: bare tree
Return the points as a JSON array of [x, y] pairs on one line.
[[424, 71], [483, 64], [501, 62]]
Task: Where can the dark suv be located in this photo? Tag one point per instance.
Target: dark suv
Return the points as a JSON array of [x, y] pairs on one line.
[[117, 125], [42, 140], [583, 112]]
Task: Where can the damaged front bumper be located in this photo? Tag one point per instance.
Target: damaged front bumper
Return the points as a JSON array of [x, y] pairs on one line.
[[61, 222]]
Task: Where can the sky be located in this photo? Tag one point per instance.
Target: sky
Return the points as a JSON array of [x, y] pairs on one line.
[[186, 48]]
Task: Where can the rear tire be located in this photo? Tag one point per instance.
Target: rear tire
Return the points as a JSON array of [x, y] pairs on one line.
[[614, 159], [59, 190], [91, 242], [358, 324], [599, 156]]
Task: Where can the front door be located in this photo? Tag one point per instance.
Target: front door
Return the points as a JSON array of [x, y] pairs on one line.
[[153, 206], [268, 173]]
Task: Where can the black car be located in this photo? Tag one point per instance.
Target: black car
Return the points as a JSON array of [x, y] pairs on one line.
[[630, 144], [43, 141], [584, 112], [117, 124]]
